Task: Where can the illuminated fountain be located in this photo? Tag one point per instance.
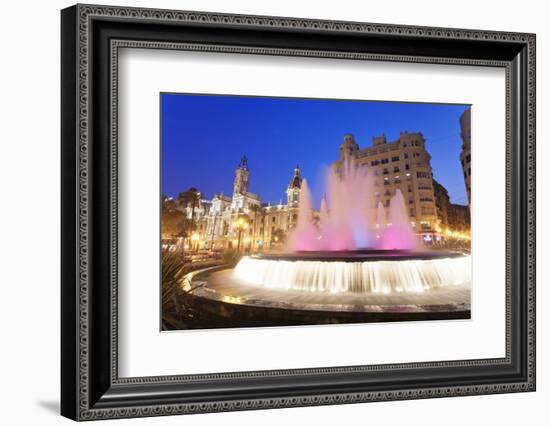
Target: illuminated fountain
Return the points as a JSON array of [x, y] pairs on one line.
[[354, 247], [368, 273]]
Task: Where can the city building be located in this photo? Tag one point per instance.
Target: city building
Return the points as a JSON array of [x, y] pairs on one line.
[[465, 154], [442, 203], [459, 218], [401, 164], [241, 221], [454, 218]]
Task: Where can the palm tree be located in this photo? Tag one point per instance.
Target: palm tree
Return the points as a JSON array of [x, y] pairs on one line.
[[190, 198], [172, 271], [174, 222]]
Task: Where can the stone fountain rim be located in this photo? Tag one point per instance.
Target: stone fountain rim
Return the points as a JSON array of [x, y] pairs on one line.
[[362, 255]]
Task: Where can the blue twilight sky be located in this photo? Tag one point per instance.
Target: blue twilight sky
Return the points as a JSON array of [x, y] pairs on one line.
[[203, 138]]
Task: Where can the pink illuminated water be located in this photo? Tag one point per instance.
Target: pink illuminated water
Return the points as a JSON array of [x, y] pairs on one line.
[[350, 218], [399, 234], [306, 234]]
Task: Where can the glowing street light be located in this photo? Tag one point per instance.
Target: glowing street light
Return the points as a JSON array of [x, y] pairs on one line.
[[195, 237], [241, 224]]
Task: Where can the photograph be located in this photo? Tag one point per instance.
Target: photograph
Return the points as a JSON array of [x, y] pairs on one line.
[[294, 211]]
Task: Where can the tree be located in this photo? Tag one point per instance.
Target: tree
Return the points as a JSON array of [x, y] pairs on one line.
[[174, 222], [190, 198]]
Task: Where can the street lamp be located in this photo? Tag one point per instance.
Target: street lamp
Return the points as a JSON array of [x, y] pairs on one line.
[[195, 238], [241, 225]]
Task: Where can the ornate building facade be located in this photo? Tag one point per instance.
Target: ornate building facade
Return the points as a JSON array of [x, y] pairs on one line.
[[401, 164], [242, 221]]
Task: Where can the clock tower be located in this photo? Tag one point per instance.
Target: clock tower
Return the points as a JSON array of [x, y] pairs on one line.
[[242, 174]]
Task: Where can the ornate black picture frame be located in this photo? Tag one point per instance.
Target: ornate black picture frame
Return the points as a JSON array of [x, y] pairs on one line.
[[91, 36]]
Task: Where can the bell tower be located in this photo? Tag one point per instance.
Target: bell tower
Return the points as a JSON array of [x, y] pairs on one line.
[[242, 174], [293, 190]]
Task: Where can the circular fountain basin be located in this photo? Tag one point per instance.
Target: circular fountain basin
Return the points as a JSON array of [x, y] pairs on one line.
[[360, 271], [361, 255], [222, 294]]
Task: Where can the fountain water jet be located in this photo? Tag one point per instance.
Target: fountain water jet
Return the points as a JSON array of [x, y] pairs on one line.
[[354, 275], [357, 246], [306, 233], [323, 213], [380, 219], [398, 234], [348, 222]]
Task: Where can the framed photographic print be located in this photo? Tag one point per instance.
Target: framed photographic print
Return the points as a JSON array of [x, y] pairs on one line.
[[263, 212], [362, 234]]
